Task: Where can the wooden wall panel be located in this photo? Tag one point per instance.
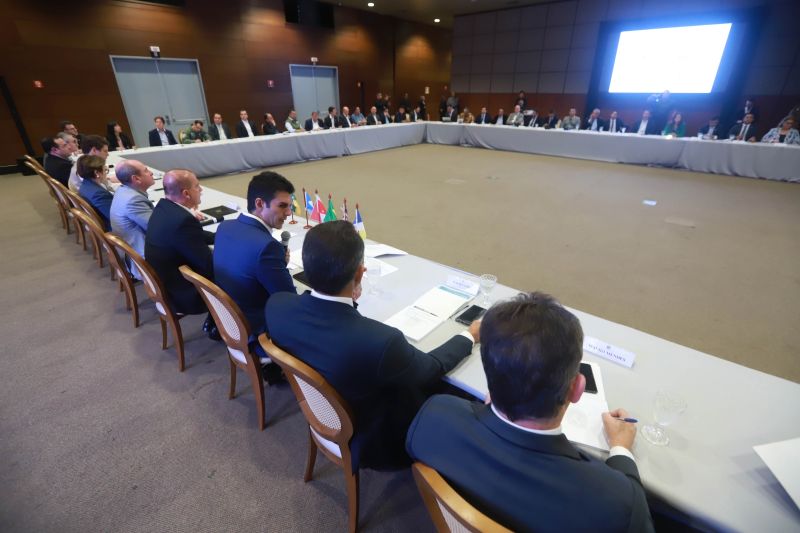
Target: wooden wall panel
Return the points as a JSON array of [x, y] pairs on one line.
[[240, 44]]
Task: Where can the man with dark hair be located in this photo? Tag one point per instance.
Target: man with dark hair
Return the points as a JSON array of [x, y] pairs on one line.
[[160, 135], [90, 145], [175, 238], [744, 131], [373, 119], [382, 377], [196, 134], [245, 127], [510, 458], [67, 126], [249, 262], [314, 123], [711, 130], [219, 130], [58, 164], [292, 125], [332, 120]]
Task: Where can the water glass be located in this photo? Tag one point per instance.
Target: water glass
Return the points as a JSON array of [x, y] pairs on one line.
[[487, 283], [667, 408]]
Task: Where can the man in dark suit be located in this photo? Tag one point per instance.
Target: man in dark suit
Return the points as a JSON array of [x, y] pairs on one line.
[[219, 130], [483, 117], [175, 237], [746, 131], [249, 262], [332, 120], [314, 123], [245, 127], [500, 119], [160, 136], [401, 115], [646, 126], [270, 127], [67, 126], [373, 119], [749, 107], [615, 124], [380, 103], [712, 129], [450, 115], [551, 121], [510, 458], [415, 115], [381, 376], [58, 164], [594, 122], [345, 119], [386, 118]]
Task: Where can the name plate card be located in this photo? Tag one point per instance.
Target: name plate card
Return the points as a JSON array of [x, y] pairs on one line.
[[607, 351]]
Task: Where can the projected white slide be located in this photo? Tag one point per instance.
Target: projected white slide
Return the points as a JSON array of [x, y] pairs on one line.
[[681, 60]]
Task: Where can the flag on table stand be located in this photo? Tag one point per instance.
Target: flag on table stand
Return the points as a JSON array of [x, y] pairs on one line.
[[295, 209], [359, 224], [330, 216], [309, 207], [319, 209], [345, 214]]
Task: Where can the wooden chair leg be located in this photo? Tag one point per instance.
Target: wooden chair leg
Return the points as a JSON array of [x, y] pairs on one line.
[[163, 332], [312, 457], [134, 307], [178, 334], [232, 389], [352, 499], [258, 389]]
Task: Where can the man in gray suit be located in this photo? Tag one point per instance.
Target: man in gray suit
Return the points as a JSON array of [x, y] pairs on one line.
[[131, 208], [516, 118]]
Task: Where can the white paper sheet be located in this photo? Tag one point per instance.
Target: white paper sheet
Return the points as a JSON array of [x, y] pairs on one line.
[[414, 323], [583, 422], [783, 458], [441, 301], [377, 250]]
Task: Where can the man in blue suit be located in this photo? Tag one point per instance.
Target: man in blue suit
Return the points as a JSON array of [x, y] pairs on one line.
[[249, 263], [510, 458], [160, 136], [382, 377]]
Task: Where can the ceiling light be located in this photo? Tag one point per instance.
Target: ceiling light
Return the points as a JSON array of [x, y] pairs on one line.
[[436, 20], [370, 4]]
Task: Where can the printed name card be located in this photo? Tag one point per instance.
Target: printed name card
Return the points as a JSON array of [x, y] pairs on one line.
[[607, 351], [463, 285]]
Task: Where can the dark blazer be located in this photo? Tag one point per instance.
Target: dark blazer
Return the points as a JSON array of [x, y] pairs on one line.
[[453, 116], [329, 123], [413, 116], [155, 138], [385, 119], [548, 122], [310, 124], [374, 120], [400, 117], [651, 129], [99, 198], [618, 125], [483, 118], [250, 265], [269, 129], [526, 482], [214, 132], [58, 168], [601, 124], [752, 131], [174, 238], [241, 131], [345, 122], [372, 365], [126, 141]]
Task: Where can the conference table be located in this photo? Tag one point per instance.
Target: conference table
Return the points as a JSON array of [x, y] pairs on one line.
[[753, 160], [708, 471]]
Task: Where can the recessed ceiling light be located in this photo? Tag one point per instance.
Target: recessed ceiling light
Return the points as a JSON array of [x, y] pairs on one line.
[[436, 20], [370, 4]]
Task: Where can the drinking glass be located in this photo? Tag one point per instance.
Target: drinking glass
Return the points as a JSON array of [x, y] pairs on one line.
[[667, 407], [371, 276], [487, 283]]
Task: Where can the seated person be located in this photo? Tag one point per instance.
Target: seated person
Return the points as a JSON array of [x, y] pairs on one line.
[[373, 119], [509, 458], [572, 121], [195, 134], [117, 138], [249, 262], [245, 127], [483, 117], [450, 115], [67, 126], [415, 115], [346, 120], [594, 122], [466, 117], [358, 118], [531, 118], [314, 123], [551, 121], [160, 135], [269, 127], [710, 130], [646, 126], [615, 124], [785, 133], [332, 120], [516, 118], [675, 126], [386, 118], [94, 187], [90, 145], [131, 208], [401, 115], [746, 131], [500, 118], [219, 130], [382, 377], [174, 238], [58, 163], [292, 125]]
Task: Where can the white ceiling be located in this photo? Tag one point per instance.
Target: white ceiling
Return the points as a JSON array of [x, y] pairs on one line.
[[426, 10]]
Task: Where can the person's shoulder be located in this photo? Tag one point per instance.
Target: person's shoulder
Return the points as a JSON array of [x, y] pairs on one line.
[[447, 406], [282, 301]]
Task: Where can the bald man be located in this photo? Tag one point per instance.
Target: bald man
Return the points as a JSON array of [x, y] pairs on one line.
[[131, 208], [175, 238]]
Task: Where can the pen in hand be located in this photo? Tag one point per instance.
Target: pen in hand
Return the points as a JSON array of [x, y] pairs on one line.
[[627, 419]]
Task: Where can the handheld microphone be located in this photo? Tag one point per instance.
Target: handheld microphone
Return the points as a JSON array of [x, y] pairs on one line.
[[285, 236]]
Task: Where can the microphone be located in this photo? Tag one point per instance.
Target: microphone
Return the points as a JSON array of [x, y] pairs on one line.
[[285, 236]]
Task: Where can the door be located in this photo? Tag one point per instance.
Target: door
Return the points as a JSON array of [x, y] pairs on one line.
[[171, 88], [314, 88]]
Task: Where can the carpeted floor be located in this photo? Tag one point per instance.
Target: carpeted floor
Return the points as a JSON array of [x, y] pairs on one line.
[[99, 431]]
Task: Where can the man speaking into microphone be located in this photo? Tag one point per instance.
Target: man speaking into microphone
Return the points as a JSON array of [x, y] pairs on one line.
[[249, 263]]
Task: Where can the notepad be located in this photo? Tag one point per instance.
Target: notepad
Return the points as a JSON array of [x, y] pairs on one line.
[[583, 421], [430, 310]]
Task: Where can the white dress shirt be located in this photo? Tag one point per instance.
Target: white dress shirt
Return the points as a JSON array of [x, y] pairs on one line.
[[222, 136], [247, 127], [642, 127], [315, 125], [164, 138], [612, 125]]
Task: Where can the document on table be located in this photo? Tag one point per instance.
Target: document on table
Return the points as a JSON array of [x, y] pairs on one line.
[[430, 310], [377, 250], [583, 422], [783, 459]]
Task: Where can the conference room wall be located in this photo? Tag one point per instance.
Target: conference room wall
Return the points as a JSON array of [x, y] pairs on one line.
[[548, 50], [240, 44]]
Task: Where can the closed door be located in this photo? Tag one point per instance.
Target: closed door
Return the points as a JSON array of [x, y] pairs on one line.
[[171, 88], [314, 88]]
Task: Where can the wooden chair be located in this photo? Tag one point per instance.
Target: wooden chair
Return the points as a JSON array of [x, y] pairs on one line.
[[83, 206], [61, 202], [33, 163], [155, 290], [449, 511], [329, 417], [235, 331]]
